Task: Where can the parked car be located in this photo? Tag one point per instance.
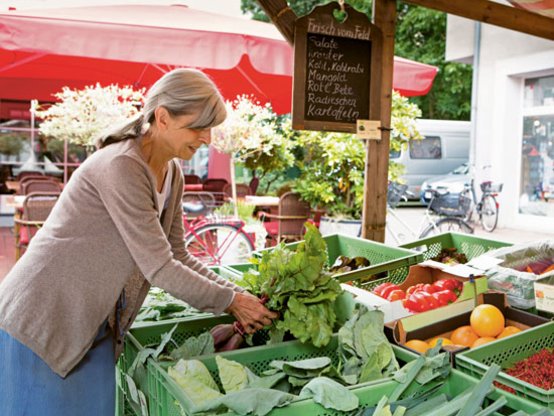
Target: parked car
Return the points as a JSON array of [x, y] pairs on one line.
[[453, 182], [444, 147]]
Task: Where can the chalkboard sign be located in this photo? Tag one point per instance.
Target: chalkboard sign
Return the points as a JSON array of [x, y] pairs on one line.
[[332, 70]]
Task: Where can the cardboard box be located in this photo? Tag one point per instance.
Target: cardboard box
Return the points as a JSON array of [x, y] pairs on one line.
[[443, 321], [544, 294], [419, 274]]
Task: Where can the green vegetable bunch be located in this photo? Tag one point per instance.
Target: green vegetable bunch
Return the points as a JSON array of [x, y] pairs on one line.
[[295, 284]]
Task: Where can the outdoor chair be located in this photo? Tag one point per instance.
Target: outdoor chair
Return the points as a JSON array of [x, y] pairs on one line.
[[215, 186], [288, 224], [24, 174], [192, 179], [198, 203], [36, 208], [254, 183], [30, 186], [242, 190]]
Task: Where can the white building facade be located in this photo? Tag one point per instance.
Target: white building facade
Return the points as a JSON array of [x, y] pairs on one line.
[[514, 118]]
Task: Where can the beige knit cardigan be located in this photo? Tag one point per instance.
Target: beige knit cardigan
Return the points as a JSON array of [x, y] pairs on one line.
[[103, 235]]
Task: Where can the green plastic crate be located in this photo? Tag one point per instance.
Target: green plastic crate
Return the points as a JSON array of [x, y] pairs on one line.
[[149, 332], [467, 244], [394, 262], [369, 396], [505, 353], [168, 399]]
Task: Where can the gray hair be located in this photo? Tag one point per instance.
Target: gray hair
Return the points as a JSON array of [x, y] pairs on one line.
[[181, 92]]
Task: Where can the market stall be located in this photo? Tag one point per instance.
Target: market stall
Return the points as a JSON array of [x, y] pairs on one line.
[[337, 349]]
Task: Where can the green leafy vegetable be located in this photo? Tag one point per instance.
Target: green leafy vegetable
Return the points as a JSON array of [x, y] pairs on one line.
[[195, 379], [365, 352], [194, 347], [257, 402], [159, 306], [345, 264], [299, 288], [233, 375], [330, 394]]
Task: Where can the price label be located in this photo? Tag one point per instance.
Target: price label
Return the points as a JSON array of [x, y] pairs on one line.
[[368, 129]]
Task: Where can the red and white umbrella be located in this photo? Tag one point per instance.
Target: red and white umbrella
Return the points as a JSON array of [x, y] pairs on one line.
[[43, 50], [544, 7]]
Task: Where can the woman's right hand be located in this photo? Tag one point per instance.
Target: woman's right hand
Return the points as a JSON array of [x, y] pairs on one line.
[[250, 312]]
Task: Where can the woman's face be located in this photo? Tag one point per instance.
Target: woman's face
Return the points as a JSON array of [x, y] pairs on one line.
[[176, 140]]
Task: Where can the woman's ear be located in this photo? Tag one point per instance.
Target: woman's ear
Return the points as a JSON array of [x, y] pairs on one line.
[[161, 118]]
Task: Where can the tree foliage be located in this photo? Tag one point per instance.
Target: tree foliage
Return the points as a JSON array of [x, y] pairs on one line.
[[420, 36], [332, 165]]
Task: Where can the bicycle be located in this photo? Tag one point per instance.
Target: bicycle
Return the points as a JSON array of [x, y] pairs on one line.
[[215, 240], [445, 213], [487, 207]]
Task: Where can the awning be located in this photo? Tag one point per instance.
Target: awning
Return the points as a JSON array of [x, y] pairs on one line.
[[544, 7], [43, 50]]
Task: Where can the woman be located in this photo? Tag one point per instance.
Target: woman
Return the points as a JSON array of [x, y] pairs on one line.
[[116, 229]]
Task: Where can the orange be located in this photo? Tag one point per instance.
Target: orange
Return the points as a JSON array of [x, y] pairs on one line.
[[487, 320], [509, 330], [464, 335], [482, 341], [417, 345], [445, 341]]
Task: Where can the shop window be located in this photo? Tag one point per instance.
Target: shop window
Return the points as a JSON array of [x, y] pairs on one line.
[[539, 92], [537, 149], [427, 148]]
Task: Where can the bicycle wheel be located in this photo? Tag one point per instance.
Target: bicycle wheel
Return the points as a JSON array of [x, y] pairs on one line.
[[445, 225], [217, 244], [489, 213]]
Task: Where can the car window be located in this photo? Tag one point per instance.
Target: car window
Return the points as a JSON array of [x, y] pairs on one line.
[[427, 148], [460, 170], [394, 154]]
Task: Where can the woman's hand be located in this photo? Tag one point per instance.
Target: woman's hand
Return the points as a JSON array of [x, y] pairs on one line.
[[250, 312]]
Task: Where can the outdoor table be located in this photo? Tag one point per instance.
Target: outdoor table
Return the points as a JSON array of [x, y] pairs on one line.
[[194, 187], [13, 186], [264, 201]]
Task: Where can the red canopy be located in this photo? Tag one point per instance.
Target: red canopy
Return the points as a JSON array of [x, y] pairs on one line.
[[44, 50], [544, 7]]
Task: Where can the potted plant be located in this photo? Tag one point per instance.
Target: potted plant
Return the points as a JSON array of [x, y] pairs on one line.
[[332, 168], [254, 136], [81, 115]]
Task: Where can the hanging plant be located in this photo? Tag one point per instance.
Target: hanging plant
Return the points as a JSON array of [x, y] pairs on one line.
[[80, 115]]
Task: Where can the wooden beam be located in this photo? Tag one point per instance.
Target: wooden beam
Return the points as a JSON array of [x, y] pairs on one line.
[[282, 16], [374, 210], [487, 11]]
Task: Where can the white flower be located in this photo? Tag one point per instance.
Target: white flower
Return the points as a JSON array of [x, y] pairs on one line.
[[249, 128], [80, 115]]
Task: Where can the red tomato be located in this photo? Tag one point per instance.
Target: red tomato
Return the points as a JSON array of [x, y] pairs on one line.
[[431, 301], [422, 301], [386, 291], [411, 304], [427, 288], [414, 289], [450, 295], [397, 294], [440, 298], [445, 297], [379, 289], [449, 284]]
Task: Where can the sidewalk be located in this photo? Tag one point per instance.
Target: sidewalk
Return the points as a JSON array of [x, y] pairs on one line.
[[414, 216]]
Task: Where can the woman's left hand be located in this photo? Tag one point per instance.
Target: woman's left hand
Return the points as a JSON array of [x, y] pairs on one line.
[[250, 312]]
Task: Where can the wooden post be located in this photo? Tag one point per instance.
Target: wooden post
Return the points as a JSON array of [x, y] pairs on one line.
[[374, 210], [282, 16]]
